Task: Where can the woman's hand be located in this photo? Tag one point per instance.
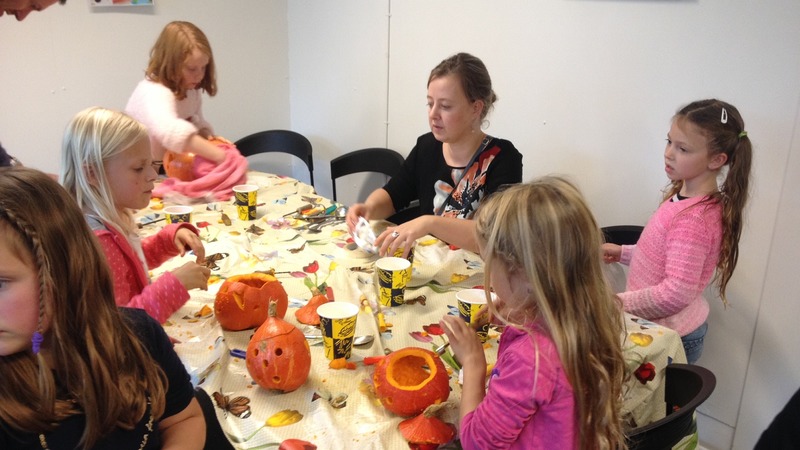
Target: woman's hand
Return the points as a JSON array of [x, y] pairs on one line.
[[185, 239], [611, 253], [402, 236], [193, 276], [353, 213]]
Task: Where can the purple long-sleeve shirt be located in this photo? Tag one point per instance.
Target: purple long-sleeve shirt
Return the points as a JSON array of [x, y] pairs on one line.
[[529, 403]]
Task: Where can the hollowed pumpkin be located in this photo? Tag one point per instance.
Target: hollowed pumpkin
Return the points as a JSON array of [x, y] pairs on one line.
[[409, 380], [278, 356], [243, 301]]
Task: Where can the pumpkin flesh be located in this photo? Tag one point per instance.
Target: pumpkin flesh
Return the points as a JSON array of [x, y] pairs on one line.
[[409, 380]]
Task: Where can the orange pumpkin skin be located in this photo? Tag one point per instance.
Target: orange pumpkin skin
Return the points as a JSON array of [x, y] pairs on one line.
[[278, 356], [308, 313], [179, 165], [405, 387], [243, 301], [423, 430]]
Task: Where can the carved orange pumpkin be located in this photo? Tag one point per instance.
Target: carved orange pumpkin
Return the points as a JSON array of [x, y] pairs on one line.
[[179, 165], [278, 356], [243, 300], [409, 380]]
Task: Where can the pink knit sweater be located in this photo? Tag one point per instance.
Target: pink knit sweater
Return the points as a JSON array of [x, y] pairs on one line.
[[672, 263], [170, 122], [132, 286]]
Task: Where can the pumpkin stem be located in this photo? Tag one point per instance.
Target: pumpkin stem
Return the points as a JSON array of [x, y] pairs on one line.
[[434, 409], [272, 310]]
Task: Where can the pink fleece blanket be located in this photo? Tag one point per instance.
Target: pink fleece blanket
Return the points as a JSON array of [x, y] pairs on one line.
[[211, 180]]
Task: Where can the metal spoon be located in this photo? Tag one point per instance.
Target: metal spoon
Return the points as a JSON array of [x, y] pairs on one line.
[[359, 341], [338, 216]]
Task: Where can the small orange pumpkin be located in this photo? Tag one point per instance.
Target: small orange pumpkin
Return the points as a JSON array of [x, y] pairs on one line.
[[409, 380], [179, 165], [278, 356], [243, 300], [307, 314]]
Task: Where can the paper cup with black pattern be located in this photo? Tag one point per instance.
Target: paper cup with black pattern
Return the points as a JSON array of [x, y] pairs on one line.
[[178, 214], [245, 199], [393, 274], [337, 320], [399, 253], [470, 301]]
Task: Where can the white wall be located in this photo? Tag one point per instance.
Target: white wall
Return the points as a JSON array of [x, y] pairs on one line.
[[586, 87], [70, 57]]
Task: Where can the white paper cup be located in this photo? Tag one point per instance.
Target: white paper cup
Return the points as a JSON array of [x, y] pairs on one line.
[[470, 301], [178, 214], [393, 274], [337, 320], [245, 198]]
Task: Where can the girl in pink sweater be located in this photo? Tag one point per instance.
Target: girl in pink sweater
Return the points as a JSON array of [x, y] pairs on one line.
[[695, 232], [107, 166], [558, 378], [168, 100]]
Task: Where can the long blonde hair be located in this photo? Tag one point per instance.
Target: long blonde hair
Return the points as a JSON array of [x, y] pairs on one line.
[[103, 370], [545, 230], [91, 138]]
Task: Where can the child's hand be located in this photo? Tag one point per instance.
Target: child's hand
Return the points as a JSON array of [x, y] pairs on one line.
[[464, 342], [611, 253], [192, 275], [185, 240]]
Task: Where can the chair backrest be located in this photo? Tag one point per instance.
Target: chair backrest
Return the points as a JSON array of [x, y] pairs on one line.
[[622, 234], [375, 159], [285, 141], [687, 387]]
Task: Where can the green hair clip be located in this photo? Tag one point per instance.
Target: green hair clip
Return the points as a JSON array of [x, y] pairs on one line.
[[742, 134]]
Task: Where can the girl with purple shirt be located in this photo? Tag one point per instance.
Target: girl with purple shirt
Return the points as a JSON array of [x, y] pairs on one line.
[[695, 232], [558, 378]]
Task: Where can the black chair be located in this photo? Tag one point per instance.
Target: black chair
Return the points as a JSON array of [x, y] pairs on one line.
[[215, 437], [375, 159], [285, 141], [687, 387], [622, 234]]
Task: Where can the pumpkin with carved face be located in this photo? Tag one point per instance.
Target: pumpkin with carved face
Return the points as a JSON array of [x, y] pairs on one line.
[[278, 356], [243, 301]]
